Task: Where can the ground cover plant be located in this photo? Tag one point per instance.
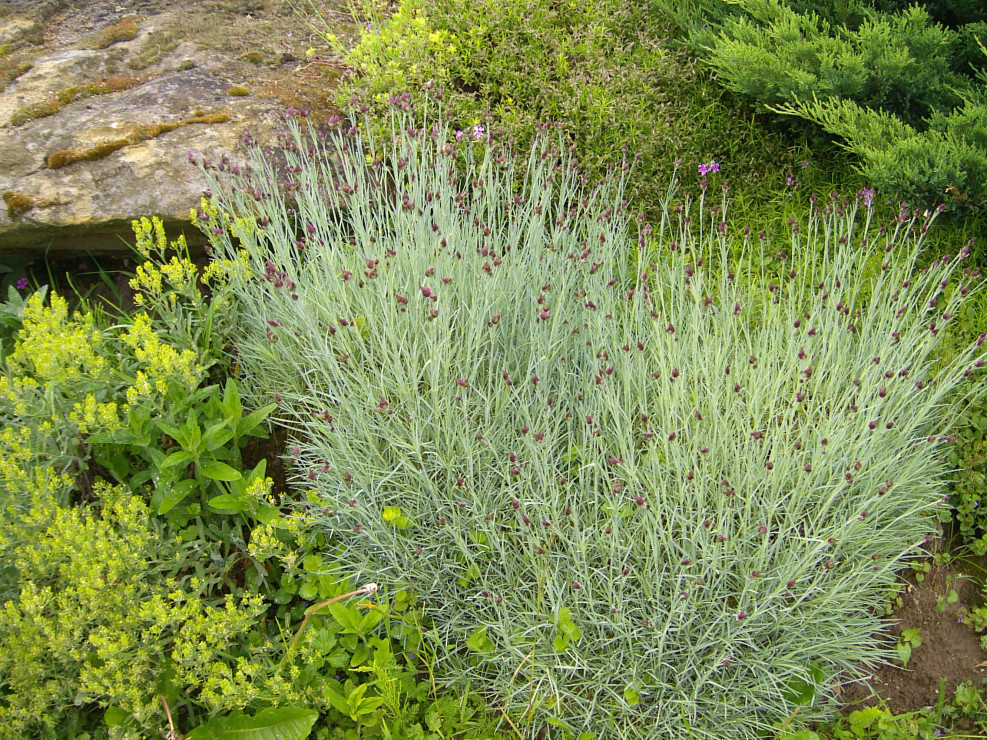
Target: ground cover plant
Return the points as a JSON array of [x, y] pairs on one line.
[[606, 70], [638, 489], [149, 579]]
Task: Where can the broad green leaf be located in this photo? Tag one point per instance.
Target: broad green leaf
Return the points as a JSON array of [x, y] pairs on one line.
[[248, 424], [478, 642], [115, 716], [275, 723], [176, 494], [266, 513], [348, 617], [309, 590], [217, 435], [176, 458], [219, 471], [361, 654], [227, 503], [172, 431], [631, 696], [338, 702], [798, 691], [232, 406], [904, 653], [193, 435]]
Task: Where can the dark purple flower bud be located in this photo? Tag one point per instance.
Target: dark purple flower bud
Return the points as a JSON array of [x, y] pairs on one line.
[[576, 585], [685, 561], [741, 615]]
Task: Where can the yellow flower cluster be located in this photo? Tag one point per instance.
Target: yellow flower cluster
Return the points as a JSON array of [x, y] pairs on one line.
[[92, 414], [56, 350], [30, 486], [162, 362], [149, 235]]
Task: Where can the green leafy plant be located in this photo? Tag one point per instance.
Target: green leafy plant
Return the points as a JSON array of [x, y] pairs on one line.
[[948, 598], [711, 465], [283, 723], [910, 639]]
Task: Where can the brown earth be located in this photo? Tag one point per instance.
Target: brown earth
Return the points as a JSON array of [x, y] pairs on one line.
[[950, 652]]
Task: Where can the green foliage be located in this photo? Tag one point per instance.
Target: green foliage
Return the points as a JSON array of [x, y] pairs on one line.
[[895, 64], [953, 718], [601, 70], [285, 723], [901, 92], [910, 639], [645, 487], [142, 559]]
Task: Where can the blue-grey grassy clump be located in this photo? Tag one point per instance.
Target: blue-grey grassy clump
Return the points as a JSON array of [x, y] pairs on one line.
[[633, 486]]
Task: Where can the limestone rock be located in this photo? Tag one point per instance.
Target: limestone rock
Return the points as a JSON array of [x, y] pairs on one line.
[[92, 138]]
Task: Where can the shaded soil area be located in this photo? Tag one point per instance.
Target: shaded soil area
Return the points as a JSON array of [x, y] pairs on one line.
[[950, 652]]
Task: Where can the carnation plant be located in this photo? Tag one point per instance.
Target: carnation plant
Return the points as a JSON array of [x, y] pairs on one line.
[[639, 486]]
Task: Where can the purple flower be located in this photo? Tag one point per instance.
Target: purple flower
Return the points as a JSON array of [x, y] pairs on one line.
[[22, 284], [478, 132], [705, 169]]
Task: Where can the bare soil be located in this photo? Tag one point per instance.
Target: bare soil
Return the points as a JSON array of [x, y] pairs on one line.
[[950, 652]]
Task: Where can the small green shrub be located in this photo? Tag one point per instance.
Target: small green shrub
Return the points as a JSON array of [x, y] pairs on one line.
[[603, 69], [640, 490], [904, 94], [124, 29]]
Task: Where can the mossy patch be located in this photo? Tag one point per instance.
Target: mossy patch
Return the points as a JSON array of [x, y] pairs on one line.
[[155, 48], [11, 69], [17, 203], [35, 110], [124, 29], [254, 57], [51, 106], [238, 91], [66, 157]]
